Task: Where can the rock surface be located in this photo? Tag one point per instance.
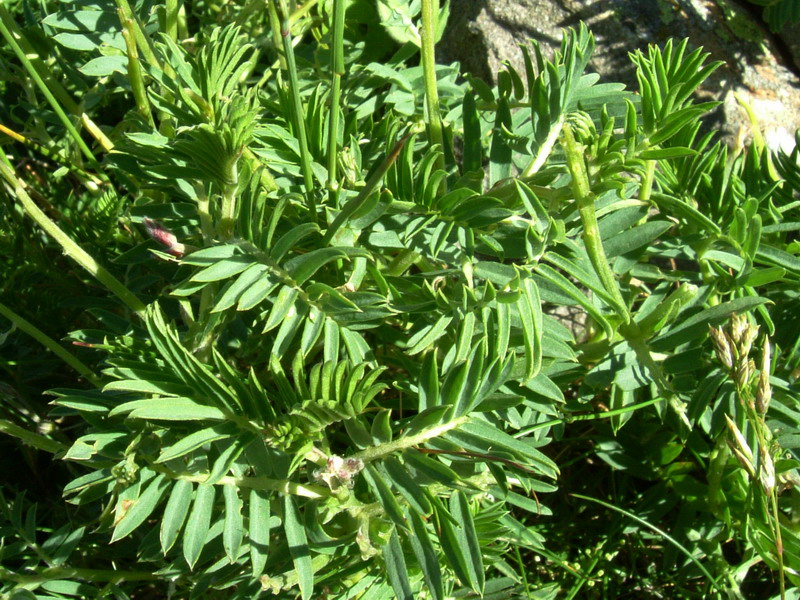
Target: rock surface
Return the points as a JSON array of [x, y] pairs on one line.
[[760, 67]]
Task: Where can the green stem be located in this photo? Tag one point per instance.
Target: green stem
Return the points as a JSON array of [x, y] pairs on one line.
[[545, 149], [45, 89], [430, 13], [171, 19], [92, 182], [13, 34], [141, 38], [778, 542], [97, 575], [297, 113], [646, 186], [337, 71], [228, 210], [135, 70], [70, 248], [409, 441], [307, 490], [49, 343], [351, 207], [591, 232], [586, 417], [660, 532]]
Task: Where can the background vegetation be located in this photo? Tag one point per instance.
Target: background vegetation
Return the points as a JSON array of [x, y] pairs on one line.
[[283, 312]]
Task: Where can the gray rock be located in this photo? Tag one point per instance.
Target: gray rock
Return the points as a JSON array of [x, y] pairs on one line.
[[758, 68]]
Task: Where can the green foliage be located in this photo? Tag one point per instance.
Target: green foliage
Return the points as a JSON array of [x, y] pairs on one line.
[[327, 354], [779, 13]]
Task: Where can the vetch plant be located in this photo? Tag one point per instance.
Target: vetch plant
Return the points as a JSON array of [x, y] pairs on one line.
[[320, 354]]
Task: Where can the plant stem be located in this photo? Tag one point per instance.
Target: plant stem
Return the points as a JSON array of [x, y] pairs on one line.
[[48, 343], [337, 71], [430, 13], [135, 70], [99, 575], [409, 441], [351, 207], [141, 39], [591, 232], [70, 248], [45, 89], [92, 182], [646, 186], [297, 113], [13, 35], [171, 19], [545, 149]]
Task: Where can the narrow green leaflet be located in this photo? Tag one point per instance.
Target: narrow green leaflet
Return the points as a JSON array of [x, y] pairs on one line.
[[196, 440], [175, 513], [396, 568], [452, 547], [529, 306], [387, 499], [236, 289], [423, 549], [697, 325], [429, 382], [488, 436], [258, 529], [408, 488], [233, 530], [168, 409], [298, 546], [304, 266], [194, 539], [224, 269], [571, 290], [468, 538], [142, 507], [428, 335]]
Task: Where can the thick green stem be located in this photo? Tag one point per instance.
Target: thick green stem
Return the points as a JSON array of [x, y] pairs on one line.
[[298, 114], [70, 248], [171, 19], [594, 247], [228, 211], [135, 70], [141, 38], [48, 342], [337, 71], [591, 232], [284, 486], [409, 441], [430, 13], [646, 186]]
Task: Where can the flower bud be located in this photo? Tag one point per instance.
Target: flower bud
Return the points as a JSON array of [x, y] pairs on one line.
[[723, 347], [744, 370], [766, 471], [164, 237], [740, 448], [764, 391]]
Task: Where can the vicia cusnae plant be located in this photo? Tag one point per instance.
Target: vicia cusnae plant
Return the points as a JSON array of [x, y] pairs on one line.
[[313, 298]]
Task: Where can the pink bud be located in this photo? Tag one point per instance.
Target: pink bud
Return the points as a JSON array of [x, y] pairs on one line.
[[164, 237]]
